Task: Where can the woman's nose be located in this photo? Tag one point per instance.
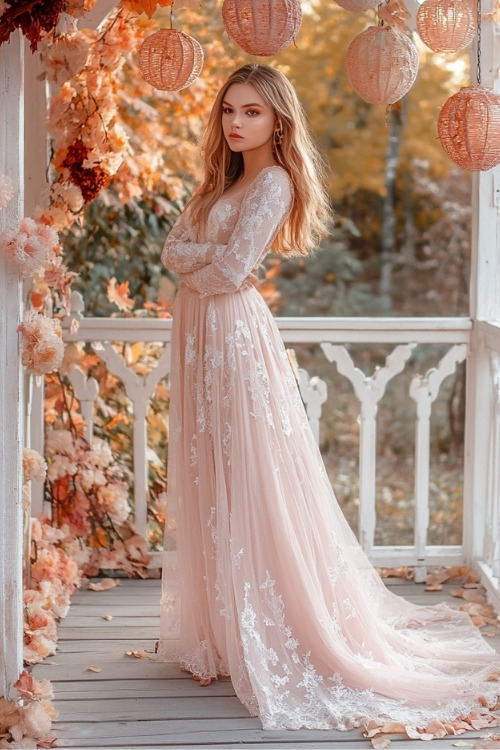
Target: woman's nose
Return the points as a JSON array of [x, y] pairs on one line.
[[236, 120]]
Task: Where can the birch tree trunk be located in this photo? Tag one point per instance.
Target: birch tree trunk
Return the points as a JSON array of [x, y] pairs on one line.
[[388, 247]]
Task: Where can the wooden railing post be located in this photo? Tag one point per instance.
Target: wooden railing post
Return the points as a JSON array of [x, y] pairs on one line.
[[11, 394]]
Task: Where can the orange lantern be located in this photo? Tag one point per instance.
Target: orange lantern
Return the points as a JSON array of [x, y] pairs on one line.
[[262, 27], [469, 128], [359, 6], [170, 60], [382, 64], [447, 25]]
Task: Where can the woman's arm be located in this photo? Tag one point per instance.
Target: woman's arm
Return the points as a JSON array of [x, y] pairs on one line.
[[181, 253], [263, 211]]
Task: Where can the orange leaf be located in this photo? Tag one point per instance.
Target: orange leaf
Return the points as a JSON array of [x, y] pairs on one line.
[[145, 6], [138, 654], [94, 669], [104, 585], [116, 420], [118, 294]]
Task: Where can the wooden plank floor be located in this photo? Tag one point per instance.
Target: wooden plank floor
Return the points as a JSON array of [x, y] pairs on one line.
[[141, 703]]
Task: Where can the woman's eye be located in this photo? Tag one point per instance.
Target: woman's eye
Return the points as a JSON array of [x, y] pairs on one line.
[[226, 110], [252, 112]]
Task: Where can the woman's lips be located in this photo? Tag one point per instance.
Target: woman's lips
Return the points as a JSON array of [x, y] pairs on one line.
[[234, 135]]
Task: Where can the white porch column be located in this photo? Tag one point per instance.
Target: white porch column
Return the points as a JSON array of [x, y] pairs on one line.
[[11, 392], [484, 306]]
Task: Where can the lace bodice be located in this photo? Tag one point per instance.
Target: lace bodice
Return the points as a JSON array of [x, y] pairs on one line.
[[238, 234]]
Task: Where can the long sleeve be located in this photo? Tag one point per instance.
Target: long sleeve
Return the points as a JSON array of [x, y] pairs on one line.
[[181, 253], [263, 211]]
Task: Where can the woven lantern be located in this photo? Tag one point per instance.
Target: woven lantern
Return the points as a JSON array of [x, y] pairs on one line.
[[447, 25], [170, 60], [358, 6], [262, 27], [469, 128], [382, 64]]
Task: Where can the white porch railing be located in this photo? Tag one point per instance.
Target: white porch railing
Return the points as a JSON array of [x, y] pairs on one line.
[[488, 349], [332, 334]]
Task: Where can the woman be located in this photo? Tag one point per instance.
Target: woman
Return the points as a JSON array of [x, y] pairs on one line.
[[268, 584]]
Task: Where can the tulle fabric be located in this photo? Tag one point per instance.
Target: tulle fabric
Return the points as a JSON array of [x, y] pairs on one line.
[[263, 579]]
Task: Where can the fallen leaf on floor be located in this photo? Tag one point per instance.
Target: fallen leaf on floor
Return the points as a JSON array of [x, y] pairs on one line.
[[434, 587], [474, 595], [94, 669], [436, 579], [405, 573], [103, 585], [53, 663], [107, 617], [138, 654], [480, 614], [380, 742], [458, 571], [48, 742], [462, 743], [489, 633], [390, 727]]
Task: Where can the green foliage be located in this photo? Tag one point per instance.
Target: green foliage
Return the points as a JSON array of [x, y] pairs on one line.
[[119, 240]]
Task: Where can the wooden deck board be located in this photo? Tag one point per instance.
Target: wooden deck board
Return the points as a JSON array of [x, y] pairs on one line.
[[142, 703]]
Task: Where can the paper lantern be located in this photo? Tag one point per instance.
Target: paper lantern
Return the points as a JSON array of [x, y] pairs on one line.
[[262, 27], [447, 25], [469, 128], [382, 64], [170, 60], [359, 6]]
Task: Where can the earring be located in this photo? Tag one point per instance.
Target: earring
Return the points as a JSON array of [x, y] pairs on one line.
[[277, 138]]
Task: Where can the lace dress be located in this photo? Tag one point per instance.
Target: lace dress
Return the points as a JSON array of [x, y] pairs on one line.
[[263, 578]]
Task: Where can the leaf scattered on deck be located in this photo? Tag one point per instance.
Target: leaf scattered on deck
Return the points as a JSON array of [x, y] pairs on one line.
[[103, 585], [138, 654]]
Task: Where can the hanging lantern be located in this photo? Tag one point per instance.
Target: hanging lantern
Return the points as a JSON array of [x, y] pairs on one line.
[[382, 64], [469, 128], [358, 6], [262, 27], [170, 60], [447, 25]]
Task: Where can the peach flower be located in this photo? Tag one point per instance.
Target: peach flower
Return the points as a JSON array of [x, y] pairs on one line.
[[34, 466], [32, 244], [41, 343]]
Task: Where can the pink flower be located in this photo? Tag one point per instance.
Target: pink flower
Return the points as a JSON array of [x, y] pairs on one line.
[[31, 244], [46, 565], [113, 498], [60, 441], [41, 342], [34, 466], [65, 57]]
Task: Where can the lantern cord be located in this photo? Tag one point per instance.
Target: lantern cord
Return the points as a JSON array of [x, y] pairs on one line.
[[172, 13], [479, 18]]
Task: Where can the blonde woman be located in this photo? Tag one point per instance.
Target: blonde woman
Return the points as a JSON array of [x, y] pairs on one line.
[[265, 581]]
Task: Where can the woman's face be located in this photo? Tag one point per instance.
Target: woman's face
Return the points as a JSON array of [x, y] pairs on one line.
[[248, 121]]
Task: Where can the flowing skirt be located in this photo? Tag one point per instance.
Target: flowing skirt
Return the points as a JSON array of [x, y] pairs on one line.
[[263, 579]]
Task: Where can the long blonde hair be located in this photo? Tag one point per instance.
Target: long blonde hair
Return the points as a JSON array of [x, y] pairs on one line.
[[307, 221]]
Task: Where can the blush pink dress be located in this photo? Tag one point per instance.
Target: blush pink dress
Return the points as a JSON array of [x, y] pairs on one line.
[[263, 579]]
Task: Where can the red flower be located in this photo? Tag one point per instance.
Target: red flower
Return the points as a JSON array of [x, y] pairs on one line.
[[90, 180], [33, 17]]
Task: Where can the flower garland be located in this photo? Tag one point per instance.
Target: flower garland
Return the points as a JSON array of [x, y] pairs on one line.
[[36, 17]]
